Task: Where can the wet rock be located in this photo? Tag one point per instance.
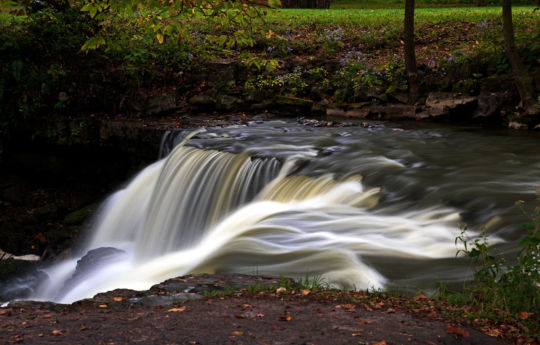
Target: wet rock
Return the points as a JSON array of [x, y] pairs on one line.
[[319, 108], [93, 259], [517, 125], [334, 111], [260, 117], [22, 287], [261, 106], [256, 96], [160, 104], [490, 104], [449, 104], [294, 103], [80, 216], [392, 112], [226, 102], [202, 100]]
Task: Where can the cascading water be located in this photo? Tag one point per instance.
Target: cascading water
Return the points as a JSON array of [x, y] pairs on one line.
[[203, 210]]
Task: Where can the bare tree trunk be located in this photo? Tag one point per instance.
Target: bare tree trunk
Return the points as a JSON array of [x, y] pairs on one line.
[[521, 78], [410, 56]]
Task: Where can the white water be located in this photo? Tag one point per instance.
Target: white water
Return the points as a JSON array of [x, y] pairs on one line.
[[206, 211]]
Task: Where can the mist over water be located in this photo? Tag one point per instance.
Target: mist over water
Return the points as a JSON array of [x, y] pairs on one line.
[[361, 208]]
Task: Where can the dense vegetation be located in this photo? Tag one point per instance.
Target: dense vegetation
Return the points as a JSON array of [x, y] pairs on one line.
[[337, 55]]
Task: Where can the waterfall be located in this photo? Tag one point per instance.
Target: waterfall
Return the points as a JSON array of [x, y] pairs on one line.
[[208, 211]]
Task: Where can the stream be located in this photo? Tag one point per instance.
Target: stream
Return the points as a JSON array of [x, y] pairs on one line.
[[358, 208]]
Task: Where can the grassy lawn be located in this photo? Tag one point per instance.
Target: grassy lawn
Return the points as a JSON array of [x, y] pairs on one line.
[[372, 4], [380, 17]]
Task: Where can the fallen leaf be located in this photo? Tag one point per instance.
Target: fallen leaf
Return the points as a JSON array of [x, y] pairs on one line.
[[364, 322], [103, 306], [494, 332], [281, 290], [237, 333], [117, 299], [57, 332], [306, 292], [83, 328], [382, 342], [524, 315], [390, 310], [192, 342], [285, 318], [177, 309], [357, 334], [458, 331]]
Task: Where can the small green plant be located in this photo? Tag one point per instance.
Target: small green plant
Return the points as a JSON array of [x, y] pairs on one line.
[[501, 290], [315, 282]]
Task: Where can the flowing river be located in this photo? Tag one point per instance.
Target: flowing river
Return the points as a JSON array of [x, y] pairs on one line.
[[356, 207]]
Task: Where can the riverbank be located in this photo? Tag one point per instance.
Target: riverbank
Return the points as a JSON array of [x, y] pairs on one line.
[[240, 309], [325, 64]]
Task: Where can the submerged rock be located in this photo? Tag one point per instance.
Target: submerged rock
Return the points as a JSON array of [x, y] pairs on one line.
[[22, 287], [89, 262]]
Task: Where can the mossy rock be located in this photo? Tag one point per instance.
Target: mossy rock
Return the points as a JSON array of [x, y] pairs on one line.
[[79, 216], [294, 102]]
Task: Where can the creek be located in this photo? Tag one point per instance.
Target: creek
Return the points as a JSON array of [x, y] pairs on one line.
[[356, 207]]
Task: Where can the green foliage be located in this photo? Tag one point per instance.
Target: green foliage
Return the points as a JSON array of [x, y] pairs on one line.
[[152, 21], [501, 290]]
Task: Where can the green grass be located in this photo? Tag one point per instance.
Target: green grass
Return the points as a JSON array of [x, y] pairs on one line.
[[372, 4], [379, 17]]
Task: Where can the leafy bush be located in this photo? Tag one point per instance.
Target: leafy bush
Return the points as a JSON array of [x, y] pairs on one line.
[[507, 291]]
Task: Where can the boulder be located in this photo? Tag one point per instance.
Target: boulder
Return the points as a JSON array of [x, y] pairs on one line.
[[294, 104], [490, 104], [392, 112], [517, 125], [202, 100], [450, 104], [226, 102]]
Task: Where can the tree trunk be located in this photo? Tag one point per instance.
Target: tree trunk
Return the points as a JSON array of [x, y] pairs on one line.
[[410, 56], [521, 78]]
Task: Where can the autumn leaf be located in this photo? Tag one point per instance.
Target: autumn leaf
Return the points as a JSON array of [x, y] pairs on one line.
[[382, 342], [494, 332], [306, 292], [458, 331], [160, 38], [237, 333], [103, 306], [524, 315], [281, 290], [357, 334], [364, 322], [117, 299], [57, 332], [177, 309], [284, 318]]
